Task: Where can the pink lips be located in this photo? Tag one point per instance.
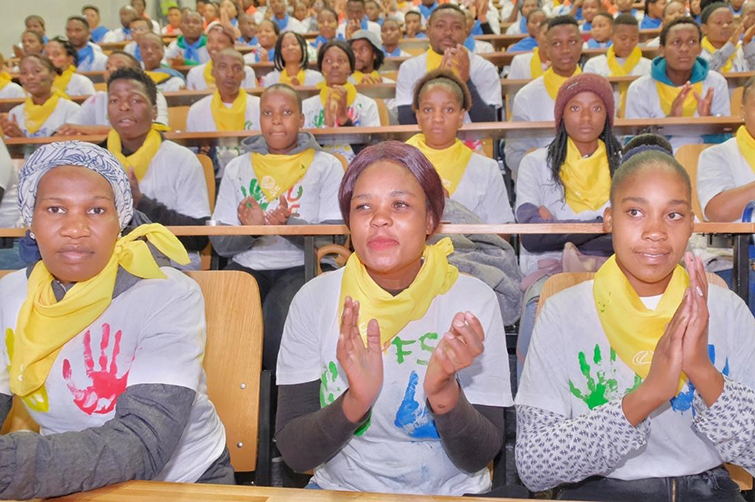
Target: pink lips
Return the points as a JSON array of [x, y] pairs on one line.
[[382, 243]]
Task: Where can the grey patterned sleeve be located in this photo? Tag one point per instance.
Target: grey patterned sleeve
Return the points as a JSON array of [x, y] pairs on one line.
[[749, 52], [552, 449], [718, 59], [730, 423]]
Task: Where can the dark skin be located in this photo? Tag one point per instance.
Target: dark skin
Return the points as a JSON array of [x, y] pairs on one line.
[[681, 50], [37, 79]]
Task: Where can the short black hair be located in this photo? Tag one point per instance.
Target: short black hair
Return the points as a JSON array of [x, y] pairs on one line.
[[278, 62], [626, 20], [534, 11], [139, 76], [283, 88], [629, 169], [90, 7], [378, 51], [414, 13], [276, 28], [647, 139], [35, 17], [562, 20], [677, 22], [68, 47], [607, 16], [341, 44], [444, 7], [647, 4], [673, 2], [80, 19], [36, 34], [120, 52], [44, 60], [710, 9]]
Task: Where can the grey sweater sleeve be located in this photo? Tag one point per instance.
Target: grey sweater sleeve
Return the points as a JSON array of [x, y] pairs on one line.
[[749, 53], [718, 59], [551, 449], [308, 435], [6, 402], [136, 444], [472, 435]]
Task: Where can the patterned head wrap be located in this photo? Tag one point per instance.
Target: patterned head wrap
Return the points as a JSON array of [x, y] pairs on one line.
[[73, 153]]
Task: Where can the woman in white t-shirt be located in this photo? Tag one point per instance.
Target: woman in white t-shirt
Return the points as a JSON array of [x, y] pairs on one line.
[[65, 58], [104, 341], [639, 383], [338, 104], [393, 371], [291, 60], [45, 109], [440, 102]]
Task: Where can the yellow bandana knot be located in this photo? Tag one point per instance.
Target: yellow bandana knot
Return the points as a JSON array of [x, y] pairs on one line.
[[553, 81], [450, 163], [587, 181], [140, 159], [229, 119], [276, 174]]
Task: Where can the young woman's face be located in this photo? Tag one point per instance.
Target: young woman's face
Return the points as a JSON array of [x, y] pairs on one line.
[[674, 10], [651, 222], [601, 29], [280, 119], [682, 47], [290, 49], [589, 9], [439, 116], [389, 220], [75, 223], [36, 77], [58, 55], [584, 117], [327, 24], [266, 35], [533, 23], [31, 44], [720, 25], [335, 66]]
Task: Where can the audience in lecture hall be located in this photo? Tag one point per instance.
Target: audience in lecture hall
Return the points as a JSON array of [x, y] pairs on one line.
[[349, 406]]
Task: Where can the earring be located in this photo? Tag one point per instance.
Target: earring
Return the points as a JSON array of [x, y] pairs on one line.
[[33, 237]]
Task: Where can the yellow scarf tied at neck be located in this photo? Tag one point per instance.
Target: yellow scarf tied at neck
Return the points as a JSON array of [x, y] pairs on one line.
[[5, 79], [746, 144], [286, 79], [393, 313], [359, 76], [229, 119], [450, 163], [45, 325], [553, 81], [587, 181], [325, 91], [536, 64], [140, 159], [278, 173], [157, 77], [631, 328], [208, 78], [35, 116], [708, 46], [622, 70], [61, 81], [668, 93], [434, 61]]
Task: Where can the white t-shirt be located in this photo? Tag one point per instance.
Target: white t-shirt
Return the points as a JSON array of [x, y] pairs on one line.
[[520, 67], [200, 117], [532, 103], [158, 329], [79, 85], [568, 329], [311, 77], [62, 114], [114, 36], [173, 84], [482, 47], [481, 190], [534, 185], [97, 63], [9, 214], [195, 79], [314, 198], [482, 73], [371, 26], [720, 168], [294, 25], [599, 65], [173, 51], [363, 113], [12, 91], [643, 102], [400, 451], [93, 111]]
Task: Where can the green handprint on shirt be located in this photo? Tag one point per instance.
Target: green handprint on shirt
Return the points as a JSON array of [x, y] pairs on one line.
[[328, 390], [256, 191], [603, 387]]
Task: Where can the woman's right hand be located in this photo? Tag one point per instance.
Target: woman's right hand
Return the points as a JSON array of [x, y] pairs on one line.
[[250, 213], [363, 365], [662, 381], [10, 127]]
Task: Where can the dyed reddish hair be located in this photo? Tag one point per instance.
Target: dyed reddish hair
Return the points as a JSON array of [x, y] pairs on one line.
[[402, 155]]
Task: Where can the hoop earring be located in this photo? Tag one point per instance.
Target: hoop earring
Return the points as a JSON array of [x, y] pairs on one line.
[[31, 234]]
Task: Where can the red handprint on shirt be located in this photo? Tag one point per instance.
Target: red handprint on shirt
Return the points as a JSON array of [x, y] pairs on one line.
[[106, 386]]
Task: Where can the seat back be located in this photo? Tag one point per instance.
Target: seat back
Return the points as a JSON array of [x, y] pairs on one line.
[[177, 116], [688, 156], [385, 119], [209, 177], [736, 101]]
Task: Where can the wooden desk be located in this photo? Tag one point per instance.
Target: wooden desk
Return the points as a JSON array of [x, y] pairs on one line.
[[155, 491]]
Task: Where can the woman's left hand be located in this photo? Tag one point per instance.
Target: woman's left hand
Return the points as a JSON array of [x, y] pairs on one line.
[[695, 342], [279, 215], [460, 345]]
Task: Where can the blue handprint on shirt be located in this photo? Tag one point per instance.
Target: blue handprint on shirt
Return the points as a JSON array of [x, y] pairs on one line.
[[414, 418], [683, 401]]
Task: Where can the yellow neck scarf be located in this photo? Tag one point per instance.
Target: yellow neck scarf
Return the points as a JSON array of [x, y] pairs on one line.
[[140, 159], [587, 181], [393, 313], [622, 70], [668, 93], [36, 115], [359, 76], [450, 163], [286, 79], [5, 79], [553, 81], [277, 173], [157, 77], [708, 46], [632, 330], [45, 325], [351, 93], [746, 144], [229, 119], [208, 78], [536, 64], [61, 81], [433, 60]]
